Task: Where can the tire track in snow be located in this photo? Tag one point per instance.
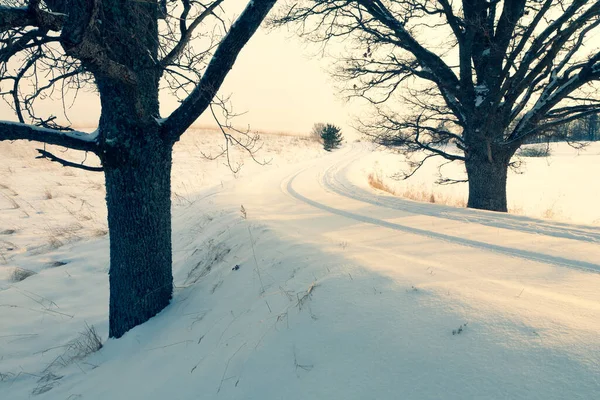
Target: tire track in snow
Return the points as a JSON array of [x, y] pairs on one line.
[[334, 179], [518, 253]]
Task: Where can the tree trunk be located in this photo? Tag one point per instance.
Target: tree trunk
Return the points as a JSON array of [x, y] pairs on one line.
[[138, 196], [487, 183], [137, 167]]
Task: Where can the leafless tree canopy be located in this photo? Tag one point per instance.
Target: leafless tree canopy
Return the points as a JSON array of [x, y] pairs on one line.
[[482, 75], [52, 49], [464, 70], [127, 51]]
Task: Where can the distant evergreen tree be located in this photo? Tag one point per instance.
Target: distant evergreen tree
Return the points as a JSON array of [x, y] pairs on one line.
[[332, 137]]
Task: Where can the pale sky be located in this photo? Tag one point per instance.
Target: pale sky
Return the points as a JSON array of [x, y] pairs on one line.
[[279, 82], [285, 86]]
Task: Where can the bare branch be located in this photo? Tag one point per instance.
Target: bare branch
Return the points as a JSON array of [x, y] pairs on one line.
[[47, 155], [20, 17], [244, 140], [222, 62], [187, 32], [73, 140]]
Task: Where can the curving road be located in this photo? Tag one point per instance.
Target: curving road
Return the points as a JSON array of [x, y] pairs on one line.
[[530, 289], [336, 179]]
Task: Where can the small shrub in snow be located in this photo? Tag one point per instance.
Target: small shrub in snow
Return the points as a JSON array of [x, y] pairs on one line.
[[535, 151]]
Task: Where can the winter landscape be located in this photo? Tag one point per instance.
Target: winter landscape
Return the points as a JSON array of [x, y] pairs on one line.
[[299, 199], [342, 291]]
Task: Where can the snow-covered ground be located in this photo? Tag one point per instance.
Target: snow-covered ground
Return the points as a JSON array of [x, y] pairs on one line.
[[342, 291], [561, 187]]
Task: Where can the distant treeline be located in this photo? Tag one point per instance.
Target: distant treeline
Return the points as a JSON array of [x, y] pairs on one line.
[[583, 129]]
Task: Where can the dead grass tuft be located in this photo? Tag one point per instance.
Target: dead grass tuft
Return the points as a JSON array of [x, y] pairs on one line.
[[20, 274], [100, 232], [375, 181], [5, 376], [46, 383], [48, 194], [426, 196], [55, 264], [416, 194], [59, 236], [306, 295], [215, 254], [87, 342], [54, 242], [12, 202], [96, 186], [549, 213]]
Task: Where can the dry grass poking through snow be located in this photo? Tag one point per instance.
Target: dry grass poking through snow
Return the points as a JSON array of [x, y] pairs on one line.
[[20, 274], [414, 193], [376, 182], [86, 343]]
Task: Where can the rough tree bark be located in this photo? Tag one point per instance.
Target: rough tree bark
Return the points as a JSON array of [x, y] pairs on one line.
[[138, 196], [137, 168], [487, 165], [487, 183], [136, 161]]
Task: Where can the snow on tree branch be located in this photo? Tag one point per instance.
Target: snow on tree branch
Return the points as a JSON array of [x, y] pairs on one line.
[[71, 139]]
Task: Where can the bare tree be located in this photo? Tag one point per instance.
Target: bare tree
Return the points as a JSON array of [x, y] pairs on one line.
[[467, 80], [127, 51], [315, 132]]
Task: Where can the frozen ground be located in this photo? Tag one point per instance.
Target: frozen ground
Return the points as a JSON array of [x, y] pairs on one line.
[[342, 291], [560, 187]]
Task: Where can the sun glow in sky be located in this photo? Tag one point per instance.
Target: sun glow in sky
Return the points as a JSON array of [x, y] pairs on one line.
[[283, 85], [278, 83]]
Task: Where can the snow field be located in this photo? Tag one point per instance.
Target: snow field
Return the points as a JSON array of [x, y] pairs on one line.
[[311, 292]]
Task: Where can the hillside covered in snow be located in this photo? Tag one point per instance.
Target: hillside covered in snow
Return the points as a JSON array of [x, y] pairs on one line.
[[300, 280]]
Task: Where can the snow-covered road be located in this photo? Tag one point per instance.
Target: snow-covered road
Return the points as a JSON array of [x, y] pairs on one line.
[[528, 288], [523, 231]]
